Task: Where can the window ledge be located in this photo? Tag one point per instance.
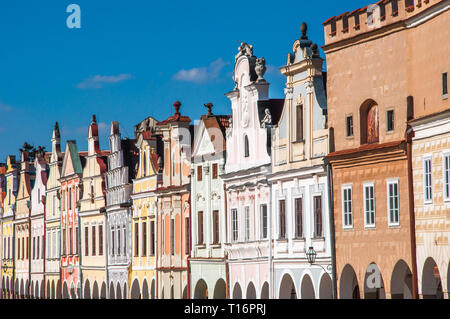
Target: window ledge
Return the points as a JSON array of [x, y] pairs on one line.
[[445, 96], [347, 228], [394, 225], [390, 132], [368, 227]]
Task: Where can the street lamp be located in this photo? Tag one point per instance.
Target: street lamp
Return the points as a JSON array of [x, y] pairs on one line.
[[311, 257]]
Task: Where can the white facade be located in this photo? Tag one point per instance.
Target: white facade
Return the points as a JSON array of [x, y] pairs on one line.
[[207, 262]]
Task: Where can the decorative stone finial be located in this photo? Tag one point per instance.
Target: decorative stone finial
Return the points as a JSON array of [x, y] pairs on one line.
[[94, 119], [209, 107], [244, 49], [260, 69], [315, 50], [304, 29], [177, 106]]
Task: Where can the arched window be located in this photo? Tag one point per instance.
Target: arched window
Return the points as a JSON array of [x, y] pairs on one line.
[[369, 122], [246, 146]]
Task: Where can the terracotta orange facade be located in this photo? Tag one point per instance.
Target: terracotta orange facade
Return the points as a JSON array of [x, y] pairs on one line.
[[378, 79]]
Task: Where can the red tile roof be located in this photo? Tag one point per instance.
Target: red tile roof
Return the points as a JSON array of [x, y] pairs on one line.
[[365, 148]]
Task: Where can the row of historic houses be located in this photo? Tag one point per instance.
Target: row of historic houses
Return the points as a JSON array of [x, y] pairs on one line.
[[341, 189]]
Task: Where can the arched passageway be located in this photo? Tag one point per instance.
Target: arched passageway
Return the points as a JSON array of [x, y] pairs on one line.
[[251, 291], [307, 288], [431, 280], [145, 294], [87, 290], [201, 290], [401, 281], [95, 294], [287, 288], [135, 290], [265, 291], [220, 290], [237, 291], [373, 283], [325, 287]]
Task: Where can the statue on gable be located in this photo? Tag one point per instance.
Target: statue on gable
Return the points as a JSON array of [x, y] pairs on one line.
[[244, 49], [267, 120], [260, 69]]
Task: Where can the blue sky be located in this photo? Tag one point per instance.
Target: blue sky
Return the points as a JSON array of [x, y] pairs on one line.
[[133, 59]]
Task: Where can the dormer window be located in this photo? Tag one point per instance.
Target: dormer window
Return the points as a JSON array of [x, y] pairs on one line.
[[345, 24], [246, 146]]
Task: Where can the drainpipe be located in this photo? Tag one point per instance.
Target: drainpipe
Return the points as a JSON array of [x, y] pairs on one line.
[[269, 229], [332, 230], [409, 136], [44, 296]]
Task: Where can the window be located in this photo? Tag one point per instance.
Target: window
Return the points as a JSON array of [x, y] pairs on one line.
[[144, 163], [390, 120], [369, 122], [86, 241], [234, 225], [93, 241], [446, 171], [318, 229], [369, 205], [345, 24], [444, 84], [199, 173], [186, 234], [113, 241], [100, 240], [428, 187], [299, 218], [347, 206], [246, 146], [118, 241], [247, 223], [58, 241], [124, 247], [172, 237], [200, 228], [393, 203], [64, 242], [299, 123], [350, 125], [282, 212], [152, 238], [70, 199], [136, 239], [163, 234], [214, 171], [144, 238], [92, 193], [70, 241], [263, 221], [34, 248], [216, 227]]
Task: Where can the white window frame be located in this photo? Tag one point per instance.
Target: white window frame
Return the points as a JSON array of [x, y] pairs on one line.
[[262, 220], [247, 224], [445, 154], [234, 222], [425, 159], [388, 183], [366, 224], [345, 187]]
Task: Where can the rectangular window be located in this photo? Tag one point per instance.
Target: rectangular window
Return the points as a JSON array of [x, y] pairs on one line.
[[349, 125], [446, 171], [34, 248], [390, 120], [144, 239], [38, 239], [299, 218], [18, 249], [444, 84], [247, 223], [94, 246], [113, 241], [76, 240], [163, 234], [70, 199], [152, 238], [216, 227], [427, 181], [100, 240], [136, 239], [369, 205], [199, 173], [282, 212], [347, 206], [124, 248], [200, 228], [299, 123], [186, 234], [318, 227], [393, 203], [214, 171], [70, 241], [234, 225], [86, 241], [118, 241], [263, 221], [172, 237]]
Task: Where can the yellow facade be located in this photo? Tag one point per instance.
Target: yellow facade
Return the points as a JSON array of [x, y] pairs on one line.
[[142, 278]]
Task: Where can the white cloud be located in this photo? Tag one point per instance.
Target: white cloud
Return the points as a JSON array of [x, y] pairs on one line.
[[273, 70], [98, 81], [201, 74]]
